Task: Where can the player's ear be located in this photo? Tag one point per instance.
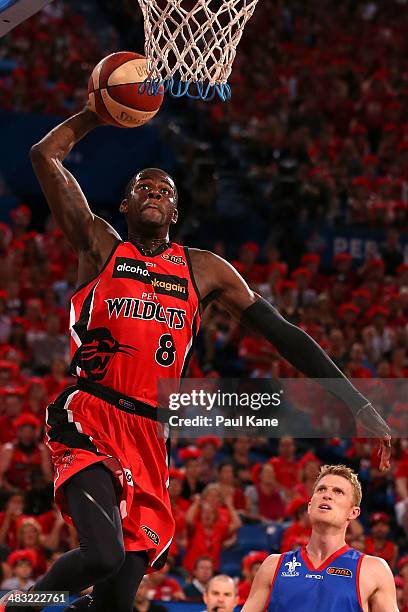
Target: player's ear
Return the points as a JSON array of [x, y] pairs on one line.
[[123, 208], [174, 216], [355, 513]]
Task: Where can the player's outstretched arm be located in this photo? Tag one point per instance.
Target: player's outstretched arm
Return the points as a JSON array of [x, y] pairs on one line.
[[86, 232], [377, 585], [218, 280], [261, 586]]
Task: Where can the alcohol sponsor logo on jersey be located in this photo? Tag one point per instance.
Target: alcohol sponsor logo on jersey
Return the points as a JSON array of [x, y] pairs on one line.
[[147, 310], [152, 535], [125, 267], [166, 284], [291, 565], [170, 285], [175, 259], [339, 571]]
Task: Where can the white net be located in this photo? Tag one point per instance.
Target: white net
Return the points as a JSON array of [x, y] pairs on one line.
[[193, 41]]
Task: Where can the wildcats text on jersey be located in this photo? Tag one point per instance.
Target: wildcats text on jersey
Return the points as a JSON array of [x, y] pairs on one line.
[[136, 269], [128, 307]]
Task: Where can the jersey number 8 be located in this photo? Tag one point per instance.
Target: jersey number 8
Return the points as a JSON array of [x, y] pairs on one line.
[[166, 353]]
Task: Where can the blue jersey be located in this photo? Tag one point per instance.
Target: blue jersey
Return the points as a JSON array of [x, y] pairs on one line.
[[332, 587]]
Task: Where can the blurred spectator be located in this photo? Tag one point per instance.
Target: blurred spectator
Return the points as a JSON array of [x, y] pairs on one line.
[[57, 380], [399, 588], [213, 495], [401, 486], [265, 500], [336, 349], [192, 483], [256, 353], [403, 570], [221, 594], [241, 459], [65, 288], [142, 602], [29, 536], [13, 404], [285, 465], [298, 533], [203, 571], [252, 272], [22, 563], [163, 587], [208, 445], [48, 345], [18, 338], [9, 520], [358, 365], [227, 482], [207, 535], [179, 507], [391, 252], [5, 319], [357, 541], [250, 565], [36, 398], [56, 534], [378, 543], [309, 466], [25, 460]]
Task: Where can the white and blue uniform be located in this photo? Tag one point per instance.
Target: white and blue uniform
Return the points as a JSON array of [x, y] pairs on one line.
[[332, 587]]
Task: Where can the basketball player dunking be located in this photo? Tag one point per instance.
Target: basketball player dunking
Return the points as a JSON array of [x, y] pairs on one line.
[[134, 317], [326, 574]]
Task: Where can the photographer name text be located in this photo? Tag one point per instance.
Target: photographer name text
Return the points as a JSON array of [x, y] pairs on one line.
[[218, 421]]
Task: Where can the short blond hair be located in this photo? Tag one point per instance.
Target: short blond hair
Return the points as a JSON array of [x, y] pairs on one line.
[[344, 472]]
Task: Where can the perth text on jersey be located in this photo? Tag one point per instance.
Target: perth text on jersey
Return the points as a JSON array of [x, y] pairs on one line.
[[146, 310], [167, 284]]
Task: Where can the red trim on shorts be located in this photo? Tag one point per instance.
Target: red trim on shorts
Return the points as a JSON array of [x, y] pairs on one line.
[[358, 580], [325, 563]]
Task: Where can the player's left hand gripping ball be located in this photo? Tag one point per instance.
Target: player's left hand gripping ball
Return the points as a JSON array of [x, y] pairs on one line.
[[113, 91]]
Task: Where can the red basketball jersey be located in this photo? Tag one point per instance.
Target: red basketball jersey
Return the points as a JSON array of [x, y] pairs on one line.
[[136, 321]]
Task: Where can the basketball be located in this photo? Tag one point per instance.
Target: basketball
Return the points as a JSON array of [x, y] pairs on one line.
[[113, 90]]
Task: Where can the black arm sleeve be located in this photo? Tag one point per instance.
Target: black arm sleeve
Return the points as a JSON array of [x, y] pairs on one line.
[[304, 353]]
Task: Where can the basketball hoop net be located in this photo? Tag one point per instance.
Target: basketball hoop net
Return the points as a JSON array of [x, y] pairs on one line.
[[190, 45]]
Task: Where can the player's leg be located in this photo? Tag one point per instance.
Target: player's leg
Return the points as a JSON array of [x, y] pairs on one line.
[[118, 592], [94, 509]]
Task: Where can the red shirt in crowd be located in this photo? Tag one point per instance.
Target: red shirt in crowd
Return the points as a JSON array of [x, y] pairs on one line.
[[387, 552], [23, 465], [296, 535], [166, 591], [205, 542], [7, 431], [286, 471], [244, 588]]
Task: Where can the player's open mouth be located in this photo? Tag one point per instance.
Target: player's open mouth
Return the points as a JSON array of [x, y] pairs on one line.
[[324, 507]]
